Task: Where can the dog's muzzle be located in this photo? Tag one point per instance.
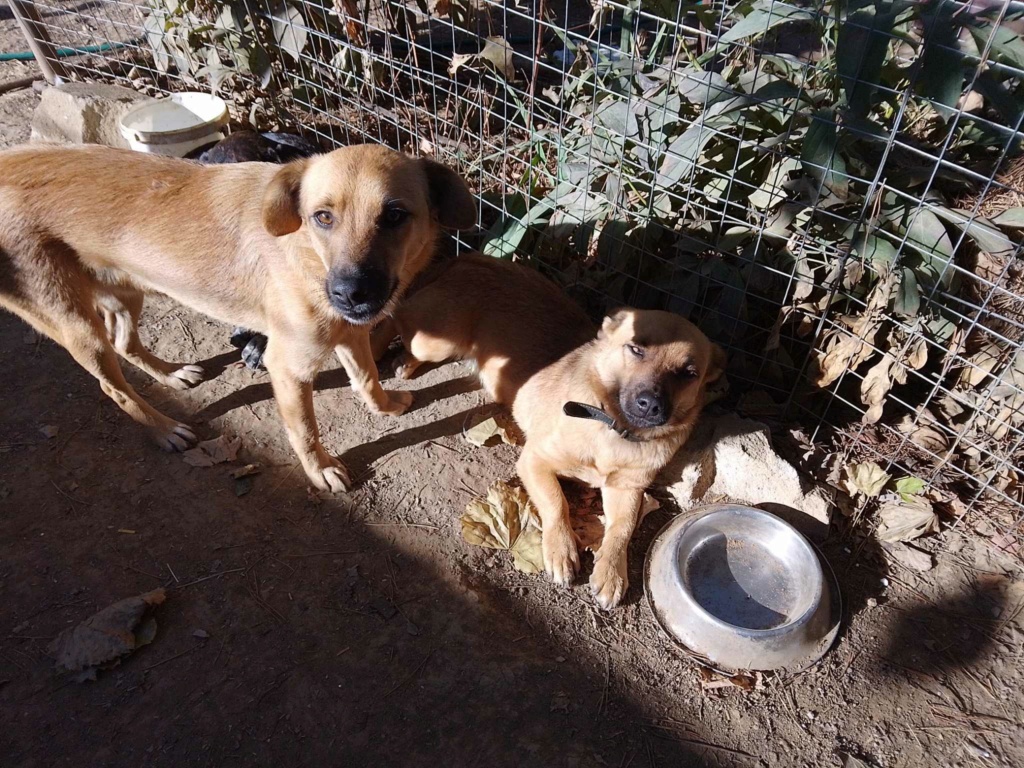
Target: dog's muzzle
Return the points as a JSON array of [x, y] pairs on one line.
[[646, 408], [359, 295]]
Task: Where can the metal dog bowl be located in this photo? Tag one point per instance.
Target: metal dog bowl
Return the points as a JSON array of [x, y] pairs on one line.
[[742, 590]]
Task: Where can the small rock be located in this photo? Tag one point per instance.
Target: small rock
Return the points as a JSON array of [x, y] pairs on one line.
[[49, 431], [202, 634], [560, 659], [733, 457], [872, 602]]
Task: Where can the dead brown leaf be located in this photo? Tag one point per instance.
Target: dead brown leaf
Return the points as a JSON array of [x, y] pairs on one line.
[[905, 520], [506, 520], [210, 452], [909, 557], [746, 681], [866, 478], [107, 636], [874, 387], [500, 426], [588, 524]]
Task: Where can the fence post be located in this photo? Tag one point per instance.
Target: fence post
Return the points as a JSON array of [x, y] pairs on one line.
[[38, 40]]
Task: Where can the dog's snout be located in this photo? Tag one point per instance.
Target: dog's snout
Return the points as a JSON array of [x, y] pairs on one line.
[[358, 294], [647, 408], [651, 403]]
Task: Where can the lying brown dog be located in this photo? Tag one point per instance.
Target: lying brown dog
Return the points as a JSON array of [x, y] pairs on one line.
[[609, 410], [310, 253]]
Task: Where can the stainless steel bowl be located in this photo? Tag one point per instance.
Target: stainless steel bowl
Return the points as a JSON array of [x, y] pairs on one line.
[[742, 590]]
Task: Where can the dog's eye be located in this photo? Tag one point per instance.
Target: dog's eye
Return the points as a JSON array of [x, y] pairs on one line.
[[394, 216], [636, 351], [688, 372], [324, 218]]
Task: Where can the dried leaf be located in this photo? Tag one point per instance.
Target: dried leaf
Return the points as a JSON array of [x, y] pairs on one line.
[[874, 387], [746, 681], [907, 520], [500, 426], [210, 452], [866, 478], [107, 636], [496, 51], [910, 557], [917, 354], [589, 525], [506, 520], [246, 471], [348, 11]]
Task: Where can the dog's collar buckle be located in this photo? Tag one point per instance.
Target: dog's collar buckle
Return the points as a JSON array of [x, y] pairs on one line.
[[584, 411]]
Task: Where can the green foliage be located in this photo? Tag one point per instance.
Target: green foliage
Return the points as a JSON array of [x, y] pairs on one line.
[[682, 185]]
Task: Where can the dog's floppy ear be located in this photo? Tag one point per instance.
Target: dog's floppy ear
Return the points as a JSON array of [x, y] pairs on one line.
[[281, 214], [450, 198], [717, 365], [612, 321]]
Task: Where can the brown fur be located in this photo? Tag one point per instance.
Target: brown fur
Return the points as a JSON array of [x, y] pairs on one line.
[[536, 351], [86, 232]]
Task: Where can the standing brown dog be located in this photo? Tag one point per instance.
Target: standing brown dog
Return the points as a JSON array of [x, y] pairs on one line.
[[607, 407], [311, 253]]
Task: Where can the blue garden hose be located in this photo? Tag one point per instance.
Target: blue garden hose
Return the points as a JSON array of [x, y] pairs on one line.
[[63, 53]]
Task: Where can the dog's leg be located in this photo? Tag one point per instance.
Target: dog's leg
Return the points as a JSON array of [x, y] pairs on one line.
[[293, 390], [357, 358], [610, 580], [121, 313], [561, 551], [84, 338], [381, 337]]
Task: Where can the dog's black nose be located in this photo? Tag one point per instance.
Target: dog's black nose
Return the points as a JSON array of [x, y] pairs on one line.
[[651, 406], [358, 294]]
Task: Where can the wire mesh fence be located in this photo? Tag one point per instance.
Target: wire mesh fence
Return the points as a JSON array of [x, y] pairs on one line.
[[833, 191]]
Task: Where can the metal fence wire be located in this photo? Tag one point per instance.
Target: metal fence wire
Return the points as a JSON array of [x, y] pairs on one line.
[[833, 191]]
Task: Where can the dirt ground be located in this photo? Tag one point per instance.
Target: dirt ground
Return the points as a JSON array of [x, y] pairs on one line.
[[364, 631]]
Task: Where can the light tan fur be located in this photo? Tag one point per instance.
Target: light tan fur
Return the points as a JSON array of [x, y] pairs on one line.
[[86, 232], [536, 351]]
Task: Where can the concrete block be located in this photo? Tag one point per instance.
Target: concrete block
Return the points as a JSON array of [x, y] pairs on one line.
[[83, 113]]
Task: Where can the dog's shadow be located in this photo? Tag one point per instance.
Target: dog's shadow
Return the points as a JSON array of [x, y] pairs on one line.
[[363, 456]]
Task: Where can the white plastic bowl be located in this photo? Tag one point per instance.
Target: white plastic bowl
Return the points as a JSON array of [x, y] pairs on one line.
[[175, 126]]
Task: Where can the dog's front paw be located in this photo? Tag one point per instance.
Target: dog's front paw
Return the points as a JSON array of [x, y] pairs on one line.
[[561, 554], [173, 437], [185, 377], [330, 476], [398, 402], [609, 581]]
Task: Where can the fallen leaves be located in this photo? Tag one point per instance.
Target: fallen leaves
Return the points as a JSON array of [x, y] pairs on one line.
[[748, 682], [866, 478], [905, 520], [106, 637], [588, 521], [911, 558], [210, 452], [506, 520], [496, 51], [500, 426]]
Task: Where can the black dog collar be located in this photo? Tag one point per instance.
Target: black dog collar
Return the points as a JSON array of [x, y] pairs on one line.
[[584, 411]]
